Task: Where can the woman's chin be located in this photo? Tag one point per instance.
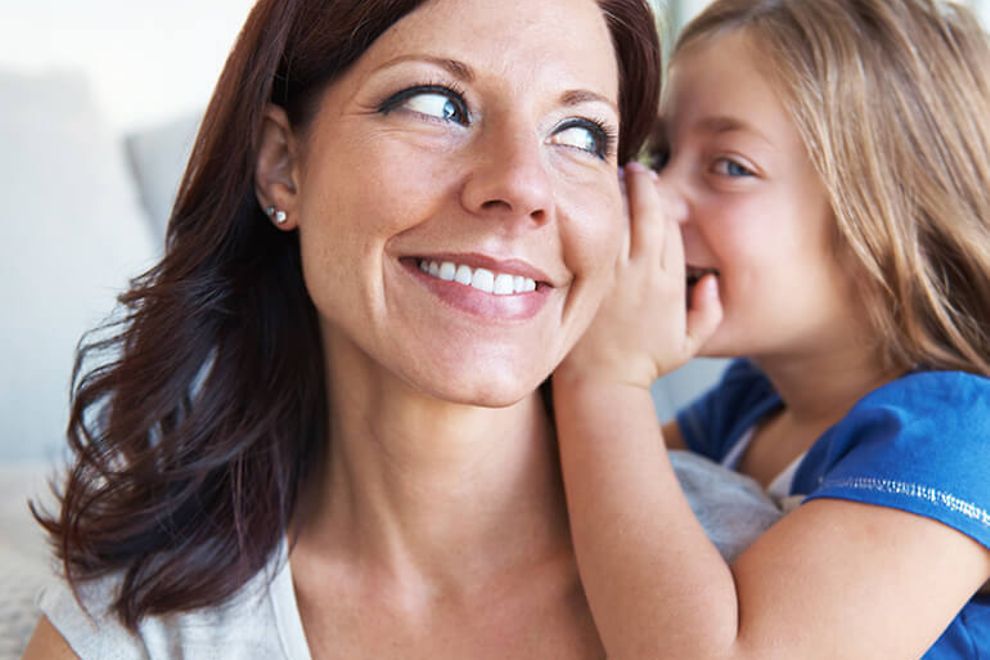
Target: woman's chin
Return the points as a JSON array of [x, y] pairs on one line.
[[490, 391]]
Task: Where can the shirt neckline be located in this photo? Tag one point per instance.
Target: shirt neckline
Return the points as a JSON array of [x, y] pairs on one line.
[[288, 621], [780, 486]]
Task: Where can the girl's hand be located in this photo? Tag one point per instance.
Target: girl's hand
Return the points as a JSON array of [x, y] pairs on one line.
[[645, 326]]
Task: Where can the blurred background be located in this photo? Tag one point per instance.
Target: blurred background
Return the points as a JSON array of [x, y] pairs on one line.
[[99, 102]]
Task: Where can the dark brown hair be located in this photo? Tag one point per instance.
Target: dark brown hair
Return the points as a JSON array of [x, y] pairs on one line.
[[193, 431]]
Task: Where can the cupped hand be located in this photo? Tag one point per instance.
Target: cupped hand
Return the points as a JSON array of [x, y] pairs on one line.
[[645, 326]]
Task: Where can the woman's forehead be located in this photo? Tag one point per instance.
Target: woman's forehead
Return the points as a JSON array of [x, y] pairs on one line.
[[564, 40]]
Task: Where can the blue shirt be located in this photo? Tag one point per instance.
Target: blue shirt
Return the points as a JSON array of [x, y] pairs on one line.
[[920, 444]]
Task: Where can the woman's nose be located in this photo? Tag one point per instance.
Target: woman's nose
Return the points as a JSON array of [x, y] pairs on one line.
[[510, 181]]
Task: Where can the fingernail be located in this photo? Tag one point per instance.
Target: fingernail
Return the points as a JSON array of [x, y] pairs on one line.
[[636, 166]]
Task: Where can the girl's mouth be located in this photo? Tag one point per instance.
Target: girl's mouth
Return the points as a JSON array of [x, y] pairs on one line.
[[695, 273]]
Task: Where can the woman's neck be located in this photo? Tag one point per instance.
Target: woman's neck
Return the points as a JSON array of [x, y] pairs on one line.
[[426, 492]]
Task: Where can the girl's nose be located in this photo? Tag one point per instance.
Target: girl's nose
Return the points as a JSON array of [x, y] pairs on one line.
[[510, 181], [673, 198]]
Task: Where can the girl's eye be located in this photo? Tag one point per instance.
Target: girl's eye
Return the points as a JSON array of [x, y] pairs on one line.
[[730, 168], [584, 135], [432, 101], [659, 157]]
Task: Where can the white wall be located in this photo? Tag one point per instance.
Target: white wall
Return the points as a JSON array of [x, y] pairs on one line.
[[147, 60]]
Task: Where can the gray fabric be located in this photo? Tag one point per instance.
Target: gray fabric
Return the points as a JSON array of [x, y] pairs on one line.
[[733, 508]]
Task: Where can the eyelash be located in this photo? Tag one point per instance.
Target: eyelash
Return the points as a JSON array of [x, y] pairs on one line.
[[746, 172], [605, 136], [451, 91]]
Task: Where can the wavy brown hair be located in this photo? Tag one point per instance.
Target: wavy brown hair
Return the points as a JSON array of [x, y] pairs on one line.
[[892, 101], [194, 422]]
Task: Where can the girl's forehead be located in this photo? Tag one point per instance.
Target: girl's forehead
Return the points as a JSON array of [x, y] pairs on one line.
[[719, 81]]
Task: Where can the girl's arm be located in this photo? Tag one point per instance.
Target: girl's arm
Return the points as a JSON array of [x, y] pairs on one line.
[[833, 579]]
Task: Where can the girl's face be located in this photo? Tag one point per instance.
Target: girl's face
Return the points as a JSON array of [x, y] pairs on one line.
[[754, 208], [457, 200]]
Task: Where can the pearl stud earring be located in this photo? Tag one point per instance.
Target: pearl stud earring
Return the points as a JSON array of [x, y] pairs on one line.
[[277, 215]]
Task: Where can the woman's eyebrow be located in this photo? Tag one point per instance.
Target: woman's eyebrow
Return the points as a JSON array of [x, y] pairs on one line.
[[456, 68], [464, 72], [578, 96]]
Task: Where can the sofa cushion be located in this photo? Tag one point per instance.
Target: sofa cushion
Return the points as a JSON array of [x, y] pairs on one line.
[[24, 559], [158, 157], [73, 236]]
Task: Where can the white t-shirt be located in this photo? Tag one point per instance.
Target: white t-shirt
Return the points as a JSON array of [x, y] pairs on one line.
[[259, 622]]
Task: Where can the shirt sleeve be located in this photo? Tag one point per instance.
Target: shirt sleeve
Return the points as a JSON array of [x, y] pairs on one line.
[[712, 423], [89, 627], [920, 444]]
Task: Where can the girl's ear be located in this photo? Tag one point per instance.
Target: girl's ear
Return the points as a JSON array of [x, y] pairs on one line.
[[276, 173]]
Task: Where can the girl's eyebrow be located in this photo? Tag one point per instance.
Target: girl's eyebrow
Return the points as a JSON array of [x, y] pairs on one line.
[[724, 124]]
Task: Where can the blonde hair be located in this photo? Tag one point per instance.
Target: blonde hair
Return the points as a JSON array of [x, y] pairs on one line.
[[892, 100]]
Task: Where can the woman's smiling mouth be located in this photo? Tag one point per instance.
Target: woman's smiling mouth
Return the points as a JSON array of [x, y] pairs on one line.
[[493, 289], [499, 284]]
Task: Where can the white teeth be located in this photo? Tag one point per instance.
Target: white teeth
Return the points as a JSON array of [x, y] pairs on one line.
[[503, 285], [447, 271], [483, 280], [499, 284], [463, 275]]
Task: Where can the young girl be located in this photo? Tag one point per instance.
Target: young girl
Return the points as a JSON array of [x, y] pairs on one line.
[[824, 195]]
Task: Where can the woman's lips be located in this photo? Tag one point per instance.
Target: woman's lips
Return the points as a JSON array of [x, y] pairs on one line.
[[500, 293]]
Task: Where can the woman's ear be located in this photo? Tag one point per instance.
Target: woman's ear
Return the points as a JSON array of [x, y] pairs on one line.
[[276, 170]]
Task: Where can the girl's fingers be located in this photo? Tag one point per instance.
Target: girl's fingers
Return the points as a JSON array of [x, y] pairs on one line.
[[647, 226], [704, 313], [623, 255], [672, 250]]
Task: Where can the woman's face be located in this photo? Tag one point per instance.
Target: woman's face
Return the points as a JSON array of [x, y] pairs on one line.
[[755, 208], [457, 200]]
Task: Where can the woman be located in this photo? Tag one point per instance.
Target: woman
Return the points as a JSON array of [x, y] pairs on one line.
[[397, 220]]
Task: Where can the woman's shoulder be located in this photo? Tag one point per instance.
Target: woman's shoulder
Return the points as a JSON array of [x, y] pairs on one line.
[[246, 625]]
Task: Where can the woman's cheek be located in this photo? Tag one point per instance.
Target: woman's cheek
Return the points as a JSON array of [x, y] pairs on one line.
[[598, 226]]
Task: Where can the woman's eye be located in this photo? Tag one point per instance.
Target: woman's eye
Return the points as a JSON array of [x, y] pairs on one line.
[[584, 135], [435, 105], [730, 168], [432, 101]]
